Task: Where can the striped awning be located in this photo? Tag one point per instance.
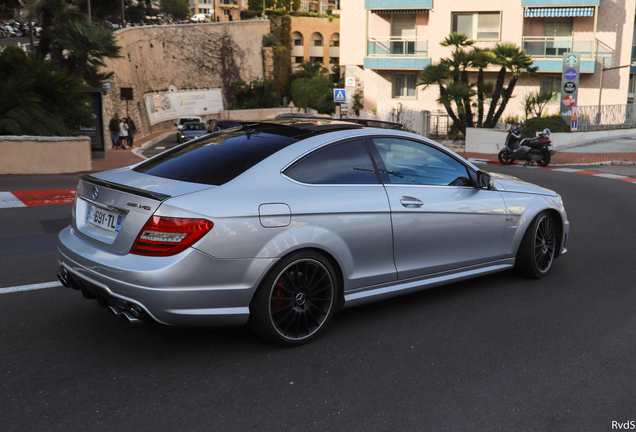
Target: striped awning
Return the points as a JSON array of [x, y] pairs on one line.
[[398, 11], [586, 11]]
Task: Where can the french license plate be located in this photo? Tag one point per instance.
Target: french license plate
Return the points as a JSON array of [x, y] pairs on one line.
[[102, 218]]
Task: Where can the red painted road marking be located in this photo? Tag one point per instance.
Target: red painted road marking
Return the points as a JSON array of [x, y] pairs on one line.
[[45, 197]]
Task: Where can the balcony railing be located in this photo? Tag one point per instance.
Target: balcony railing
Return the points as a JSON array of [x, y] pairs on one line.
[[228, 2], [397, 47], [540, 46]]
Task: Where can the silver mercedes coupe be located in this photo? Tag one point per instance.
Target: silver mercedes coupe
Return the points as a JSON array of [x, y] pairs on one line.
[[278, 224]]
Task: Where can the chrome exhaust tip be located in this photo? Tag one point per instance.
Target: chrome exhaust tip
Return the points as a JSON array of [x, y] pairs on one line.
[[116, 311], [131, 318], [62, 276]]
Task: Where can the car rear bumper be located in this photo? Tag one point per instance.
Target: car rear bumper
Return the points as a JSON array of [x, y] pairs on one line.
[[190, 288]]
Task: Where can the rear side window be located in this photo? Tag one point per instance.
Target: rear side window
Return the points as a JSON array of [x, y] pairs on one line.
[[213, 161], [344, 163]]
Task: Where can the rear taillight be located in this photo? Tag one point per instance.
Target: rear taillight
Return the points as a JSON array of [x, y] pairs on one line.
[[165, 236]]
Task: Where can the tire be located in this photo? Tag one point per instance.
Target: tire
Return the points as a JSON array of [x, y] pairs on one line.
[[296, 299], [504, 157], [545, 160], [538, 246]]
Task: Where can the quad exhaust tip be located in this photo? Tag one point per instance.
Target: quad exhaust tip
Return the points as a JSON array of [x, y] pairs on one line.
[[63, 277], [129, 316]]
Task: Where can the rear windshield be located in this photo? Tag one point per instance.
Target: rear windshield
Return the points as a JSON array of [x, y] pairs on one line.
[[215, 160], [189, 119]]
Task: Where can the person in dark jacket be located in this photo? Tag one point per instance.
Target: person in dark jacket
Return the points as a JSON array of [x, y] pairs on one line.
[[132, 130], [113, 127]]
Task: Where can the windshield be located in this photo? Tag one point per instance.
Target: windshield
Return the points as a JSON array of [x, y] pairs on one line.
[[194, 127], [188, 120]]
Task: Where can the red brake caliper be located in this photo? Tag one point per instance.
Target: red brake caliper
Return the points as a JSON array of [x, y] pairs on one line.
[[278, 293]]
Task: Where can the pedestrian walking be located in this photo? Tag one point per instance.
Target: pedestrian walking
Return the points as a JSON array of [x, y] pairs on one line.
[[132, 130], [113, 127], [123, 133]]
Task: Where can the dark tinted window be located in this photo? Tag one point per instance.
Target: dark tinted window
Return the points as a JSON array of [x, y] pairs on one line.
[[194, 127], [215, 160], [345, 163], [187, 120]]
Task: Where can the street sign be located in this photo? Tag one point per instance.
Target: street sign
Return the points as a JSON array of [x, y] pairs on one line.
[[574, 123], [569, 84], [569, 87], [291, 105], [339, 95], [350, 81]]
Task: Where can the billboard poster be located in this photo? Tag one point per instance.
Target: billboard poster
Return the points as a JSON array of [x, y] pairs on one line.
[[172, 105], [570, 84], [96, 133]]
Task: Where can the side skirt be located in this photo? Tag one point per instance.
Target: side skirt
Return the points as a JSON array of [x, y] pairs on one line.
[[368, 295]]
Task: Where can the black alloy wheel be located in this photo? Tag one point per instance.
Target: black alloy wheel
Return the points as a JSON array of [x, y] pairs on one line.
[[296, 299], [504, 157], [537, 250]]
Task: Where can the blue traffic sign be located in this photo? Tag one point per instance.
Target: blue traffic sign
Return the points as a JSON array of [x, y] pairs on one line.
[[339, 95]]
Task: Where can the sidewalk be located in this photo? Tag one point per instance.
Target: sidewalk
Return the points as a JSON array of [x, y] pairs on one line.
[[121, 158], [569, 158]]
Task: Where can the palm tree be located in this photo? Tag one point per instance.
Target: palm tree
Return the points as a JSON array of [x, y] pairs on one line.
[[86, 47], [37, 100], [480, 60], [72, 42], [511, 58]]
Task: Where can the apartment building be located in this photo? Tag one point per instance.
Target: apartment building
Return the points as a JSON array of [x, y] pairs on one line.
[[386, 43], [315, 39], [218, 9]]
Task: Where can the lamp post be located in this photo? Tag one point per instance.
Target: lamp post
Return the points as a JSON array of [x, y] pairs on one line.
[[600, 88]]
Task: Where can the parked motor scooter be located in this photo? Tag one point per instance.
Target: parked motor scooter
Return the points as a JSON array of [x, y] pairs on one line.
[[538, 149]]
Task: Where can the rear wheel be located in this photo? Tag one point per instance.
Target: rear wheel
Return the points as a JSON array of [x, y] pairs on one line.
[[545, 158], [537, 249], [504, 157], [296, 299]]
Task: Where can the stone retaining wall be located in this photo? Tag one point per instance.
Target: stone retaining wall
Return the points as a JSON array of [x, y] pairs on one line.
[[44, 155], [189, 57]]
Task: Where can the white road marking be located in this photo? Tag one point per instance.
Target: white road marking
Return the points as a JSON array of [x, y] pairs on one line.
[[611, 176], [30, 287], [8, 200]]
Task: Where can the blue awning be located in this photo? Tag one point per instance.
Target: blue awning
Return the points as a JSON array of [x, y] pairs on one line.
[[559, 12], [399, 11]]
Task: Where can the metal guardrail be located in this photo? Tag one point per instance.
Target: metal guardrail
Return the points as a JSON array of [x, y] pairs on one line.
[[543, 46], [397, 46], [604, 117]]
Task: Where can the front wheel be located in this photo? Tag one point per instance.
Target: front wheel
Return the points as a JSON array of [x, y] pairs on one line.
[[545, 158], [538, 246], [504, 157], [296, 299]]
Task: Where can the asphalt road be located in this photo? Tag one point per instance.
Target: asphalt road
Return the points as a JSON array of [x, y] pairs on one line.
[[494, 353]]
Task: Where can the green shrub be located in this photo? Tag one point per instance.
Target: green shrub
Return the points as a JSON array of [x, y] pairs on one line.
[[248, 14], [555, 123]]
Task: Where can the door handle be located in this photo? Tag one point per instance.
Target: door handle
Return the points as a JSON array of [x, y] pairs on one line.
[[410, 202]]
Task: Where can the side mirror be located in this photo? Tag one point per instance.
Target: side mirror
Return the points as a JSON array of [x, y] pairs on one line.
[[485, 181]]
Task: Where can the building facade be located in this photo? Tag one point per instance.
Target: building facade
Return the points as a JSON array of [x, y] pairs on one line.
[[386, 43], [315, 39], [218, 10]]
